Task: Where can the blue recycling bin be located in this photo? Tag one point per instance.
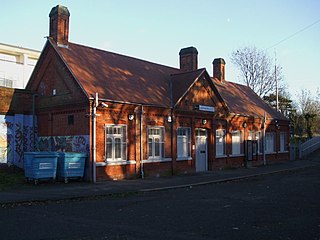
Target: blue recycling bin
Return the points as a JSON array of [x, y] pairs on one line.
[[40, 165], [71, 165]]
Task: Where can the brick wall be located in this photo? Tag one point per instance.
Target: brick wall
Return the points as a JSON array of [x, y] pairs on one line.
[[15, 101]]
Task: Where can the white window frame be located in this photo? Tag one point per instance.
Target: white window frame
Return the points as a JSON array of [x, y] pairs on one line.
[[237, 142], [220, 142], [283, 142], [270, 142], [257, 137], [183, 143], [115, 132], [155, 137]]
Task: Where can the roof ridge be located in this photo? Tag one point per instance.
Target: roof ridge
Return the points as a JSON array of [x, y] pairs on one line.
[[123, 55], [193, 71]]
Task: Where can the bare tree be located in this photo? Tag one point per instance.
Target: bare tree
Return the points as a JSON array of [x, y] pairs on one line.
[[257, 69]]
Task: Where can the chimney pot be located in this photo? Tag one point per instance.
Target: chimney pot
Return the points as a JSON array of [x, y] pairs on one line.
[[219, 69], [59, 24], [188, 59]]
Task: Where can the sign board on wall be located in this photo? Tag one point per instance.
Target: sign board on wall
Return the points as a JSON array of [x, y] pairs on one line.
[[204, 108]]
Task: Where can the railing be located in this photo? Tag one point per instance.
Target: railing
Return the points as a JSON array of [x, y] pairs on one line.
[[309, 147]]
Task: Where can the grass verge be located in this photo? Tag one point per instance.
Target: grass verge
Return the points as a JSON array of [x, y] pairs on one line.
[[10, 177]]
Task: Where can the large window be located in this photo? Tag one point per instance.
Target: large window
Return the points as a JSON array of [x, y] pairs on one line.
[[259, 142], [283, 142], [183, 143], [270, 143], [220, 142], [236, 142], [155, 142], [116, 145]]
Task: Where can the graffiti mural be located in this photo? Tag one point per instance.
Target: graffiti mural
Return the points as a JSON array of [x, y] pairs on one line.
[[6, 141], [78, 143], [16, 137]]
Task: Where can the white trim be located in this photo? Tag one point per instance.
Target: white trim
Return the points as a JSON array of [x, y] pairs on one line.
[[222, 156], [110, 163], [123, 135], [157, 160], [236, 155], [161, 137], [223, 144], [188, 142], [183, 158]]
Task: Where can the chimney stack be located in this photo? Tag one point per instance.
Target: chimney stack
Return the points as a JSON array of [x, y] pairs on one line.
[[188, 59], [219, 69], [59, 24]]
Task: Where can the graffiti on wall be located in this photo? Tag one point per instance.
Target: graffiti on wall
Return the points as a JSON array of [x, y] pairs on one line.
[[16, 137], [77, 143], [6, 141]]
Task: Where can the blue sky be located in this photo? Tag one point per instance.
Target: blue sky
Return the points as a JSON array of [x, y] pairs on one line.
[[157, 30]]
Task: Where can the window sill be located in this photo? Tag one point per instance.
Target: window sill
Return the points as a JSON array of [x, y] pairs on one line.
[[110, 163], [237, 155], [221, 156], [283, 151], [184, 158], [157, 160]]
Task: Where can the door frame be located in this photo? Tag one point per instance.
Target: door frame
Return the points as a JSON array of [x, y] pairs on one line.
[[206, 150]]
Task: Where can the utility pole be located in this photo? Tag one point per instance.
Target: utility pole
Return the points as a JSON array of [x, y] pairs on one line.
[[276, 79]]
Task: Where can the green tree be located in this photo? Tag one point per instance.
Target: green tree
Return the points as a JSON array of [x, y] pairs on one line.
[[309, 108], [284, 102]]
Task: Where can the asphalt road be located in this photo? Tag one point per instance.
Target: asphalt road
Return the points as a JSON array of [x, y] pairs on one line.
[[278, 206]]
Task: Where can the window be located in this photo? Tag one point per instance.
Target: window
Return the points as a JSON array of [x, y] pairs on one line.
[[283, 142], [270, 143], [255, 136], [115, 143], [183, 143], [70, 119], [220, 142], [251, 135], [155, 143], [6, 82], [259, 142], [236, 142]]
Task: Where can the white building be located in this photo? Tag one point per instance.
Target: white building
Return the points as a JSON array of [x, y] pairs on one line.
[[16, 65]]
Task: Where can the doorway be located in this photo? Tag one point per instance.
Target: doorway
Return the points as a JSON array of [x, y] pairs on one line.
[[201, 150]]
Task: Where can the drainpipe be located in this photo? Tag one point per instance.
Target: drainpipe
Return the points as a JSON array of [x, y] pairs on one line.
[[34, 120], [171, 132], [264, 139], [94, 143], [141, 146]]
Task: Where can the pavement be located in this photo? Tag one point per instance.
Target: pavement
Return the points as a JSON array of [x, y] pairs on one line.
[[75, 190]]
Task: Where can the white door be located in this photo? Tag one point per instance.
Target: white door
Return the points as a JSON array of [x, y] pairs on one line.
[[201, 150]]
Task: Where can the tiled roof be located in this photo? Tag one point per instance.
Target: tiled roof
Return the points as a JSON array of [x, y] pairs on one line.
[[118, 77], [121, 78], [243, 100], [181, 82]]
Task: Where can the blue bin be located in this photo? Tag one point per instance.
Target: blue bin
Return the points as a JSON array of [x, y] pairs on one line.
[[40, 165], [71, 165]]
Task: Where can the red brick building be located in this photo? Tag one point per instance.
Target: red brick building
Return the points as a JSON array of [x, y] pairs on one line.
[[137, 118]]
